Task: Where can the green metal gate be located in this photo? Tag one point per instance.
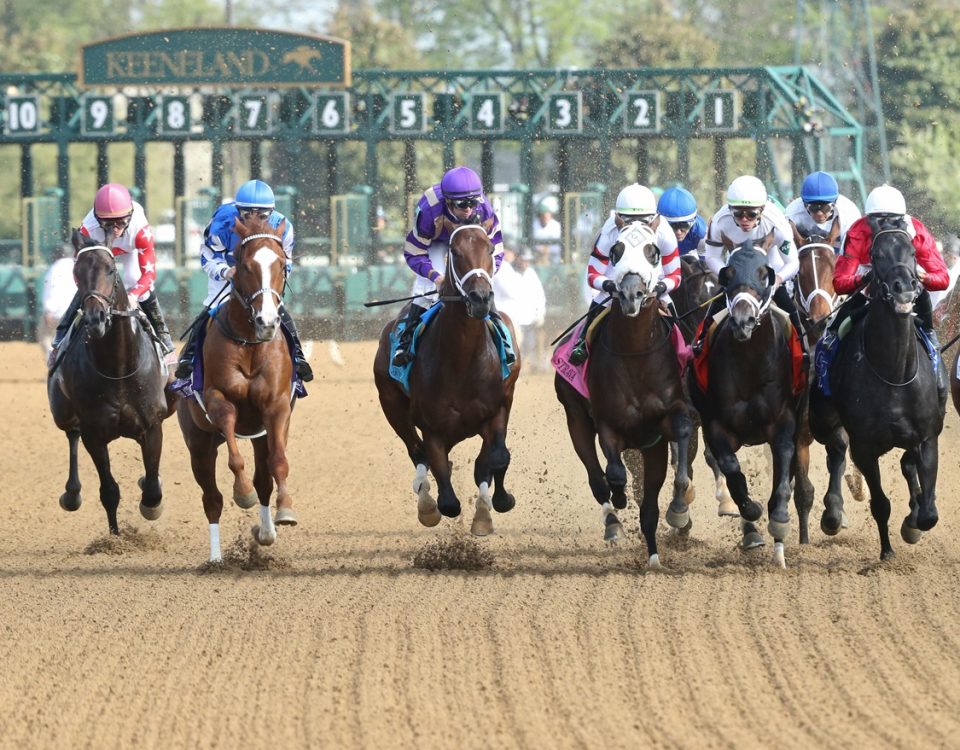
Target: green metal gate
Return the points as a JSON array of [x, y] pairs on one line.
[[350, 226], [584, 216], [40, 223]]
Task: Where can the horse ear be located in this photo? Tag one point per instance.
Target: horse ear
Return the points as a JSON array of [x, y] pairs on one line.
[[616, 252], [282, 228], [768, 240], [725, 276], [238, 225], [76, 239], [771, 276], [834, 231], [797, 239]]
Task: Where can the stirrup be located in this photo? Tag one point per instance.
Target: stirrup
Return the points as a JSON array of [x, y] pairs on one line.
[[578, 355], [402, 358], [184, 370], [304, 371]]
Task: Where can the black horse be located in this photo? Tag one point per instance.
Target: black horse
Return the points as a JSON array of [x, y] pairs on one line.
[[636, 396], [750, 398], [109, 383], [884, 393], [691, 299]]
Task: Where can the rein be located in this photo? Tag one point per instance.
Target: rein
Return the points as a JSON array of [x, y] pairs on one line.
[[818, 291], [247, 302], [458, 280], [916, 367]]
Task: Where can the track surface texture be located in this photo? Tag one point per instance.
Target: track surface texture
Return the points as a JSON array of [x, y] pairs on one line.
[[360, 628]]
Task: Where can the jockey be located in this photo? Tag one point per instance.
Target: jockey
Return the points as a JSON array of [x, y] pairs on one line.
[[254, 200], [750, 215], [678, 206], [456, 201], [634, 203], [117, 215], [886, 203], [821, 209]]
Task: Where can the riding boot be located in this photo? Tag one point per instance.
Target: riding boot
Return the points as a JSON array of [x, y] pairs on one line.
[[853, 307], [578, 354], [151, 308], [923, 308], [185, 363], [801, 334], [403, 356], [304, 371], [714, 308], [62, 327]]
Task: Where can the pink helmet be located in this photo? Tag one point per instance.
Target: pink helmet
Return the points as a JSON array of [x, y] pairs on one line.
[[112, 201]]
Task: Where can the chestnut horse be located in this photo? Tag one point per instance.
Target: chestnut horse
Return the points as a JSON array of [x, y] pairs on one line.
[[109, 383], [247, 389], [457, 388], [636, 396]]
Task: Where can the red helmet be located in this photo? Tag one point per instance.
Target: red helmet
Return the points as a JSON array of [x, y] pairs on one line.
[[112, 201]]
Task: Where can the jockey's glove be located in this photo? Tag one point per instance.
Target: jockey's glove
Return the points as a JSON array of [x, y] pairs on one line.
[[659, 289], [609, 286]]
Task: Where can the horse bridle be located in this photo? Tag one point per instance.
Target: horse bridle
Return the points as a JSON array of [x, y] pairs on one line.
[[459, 281], [109, 310], [247, 302], [818, 291], [883, 289]]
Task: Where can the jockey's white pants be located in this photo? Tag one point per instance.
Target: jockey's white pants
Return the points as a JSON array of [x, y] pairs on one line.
[[423, 285]]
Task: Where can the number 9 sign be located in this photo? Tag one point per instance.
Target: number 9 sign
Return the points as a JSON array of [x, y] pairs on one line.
[[97, 115]]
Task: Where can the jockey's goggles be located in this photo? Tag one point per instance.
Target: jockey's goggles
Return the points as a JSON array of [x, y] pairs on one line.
[[465, 202], [260, 213], [646, 219], [680, 226], [121, 222], [816, 207], [747, 213]]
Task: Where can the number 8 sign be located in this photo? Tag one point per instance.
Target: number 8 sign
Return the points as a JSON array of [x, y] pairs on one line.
[[174, 116]]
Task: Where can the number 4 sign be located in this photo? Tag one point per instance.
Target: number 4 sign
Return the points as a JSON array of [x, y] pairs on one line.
[[486, 113]]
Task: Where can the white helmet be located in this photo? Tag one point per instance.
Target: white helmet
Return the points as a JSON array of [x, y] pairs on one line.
[[636, 200], [746, 190], [885, 200]]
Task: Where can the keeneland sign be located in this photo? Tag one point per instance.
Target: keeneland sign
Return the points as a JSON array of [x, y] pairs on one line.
[[226, 56]]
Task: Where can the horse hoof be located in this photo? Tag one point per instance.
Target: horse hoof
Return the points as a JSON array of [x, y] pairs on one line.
[[910, 534], [503, 501], [830, 524], [264, 540], [678, 520], [285, 517], [619, 499], [247, 500], [449, 509], [654, 562], [482, 523], [726, 507], [751, 511], [690, 495], [613, 532], [752, 540], [70, 503], [779, 558], [427, 512], [778, 529], [151, 513], [926, 521]]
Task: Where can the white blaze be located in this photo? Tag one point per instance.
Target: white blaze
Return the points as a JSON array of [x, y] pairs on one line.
[[268, 307]]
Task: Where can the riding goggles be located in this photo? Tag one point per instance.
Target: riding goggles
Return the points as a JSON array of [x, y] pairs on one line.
[[646, 219], [465, 203], [122, 223], [680, 226], [819, 207], [260, 213], [747, 213]]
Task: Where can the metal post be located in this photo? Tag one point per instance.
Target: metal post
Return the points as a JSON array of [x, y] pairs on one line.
[[643, 161], [486, 164], [26, 171], [216, 166], [372, 178], [449, 155], [719, 170], [527, 177], [103, 164], [63, 181], [410, 186], [683, 160], [563, 180], [140, 170], [179, 171], [256, 159]]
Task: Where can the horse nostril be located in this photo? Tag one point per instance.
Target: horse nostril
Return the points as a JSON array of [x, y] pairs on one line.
[[477, 298], [752, 321]]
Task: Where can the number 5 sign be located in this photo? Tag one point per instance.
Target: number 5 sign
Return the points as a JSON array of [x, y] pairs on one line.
[[564, 113], [407, 114], [486, 113]]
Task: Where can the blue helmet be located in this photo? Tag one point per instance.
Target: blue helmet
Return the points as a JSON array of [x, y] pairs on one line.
[[255, 194], [461, 182], [818, 187], [677, 204]]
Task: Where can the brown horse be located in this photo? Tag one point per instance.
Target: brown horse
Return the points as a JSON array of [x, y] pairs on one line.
[[636, 397], [457, 388], [247, 392], [109, 383]]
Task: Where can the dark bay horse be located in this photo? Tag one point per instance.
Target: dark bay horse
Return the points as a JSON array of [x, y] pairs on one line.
[[636, 396], [691, 299], [109, 383], [884, 391], [457, 389], [247, 389], [749, 398]]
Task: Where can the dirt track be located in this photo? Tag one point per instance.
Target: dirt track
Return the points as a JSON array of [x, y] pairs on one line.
[[336, 639]]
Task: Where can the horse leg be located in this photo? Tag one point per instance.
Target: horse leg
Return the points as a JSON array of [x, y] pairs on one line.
[[497, 460], [778, 508], [482, 524], [203, 462], [151, 489], [908, 467], [265, 532], [678, 514], [879, 502], [833, 518], [223, 414], [276, 466], [109, 489], [70, 500], [438, 455], [724, 452], [654, 474], [802, 487], [927, 515], [611, 445], [725, 504], [583, 435]]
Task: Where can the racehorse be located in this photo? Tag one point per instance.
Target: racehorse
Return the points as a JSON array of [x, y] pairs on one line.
[[636, 396], [816, 298], [109, 383], [247, 389], [691, 299], [456, 388], [749, 397], [884, 392]]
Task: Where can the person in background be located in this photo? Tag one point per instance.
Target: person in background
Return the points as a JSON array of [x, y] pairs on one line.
[[59, 289], [547, 233], [519, 293]]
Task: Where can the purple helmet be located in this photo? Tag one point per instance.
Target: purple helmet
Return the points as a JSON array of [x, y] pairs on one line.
[[461, 182]]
